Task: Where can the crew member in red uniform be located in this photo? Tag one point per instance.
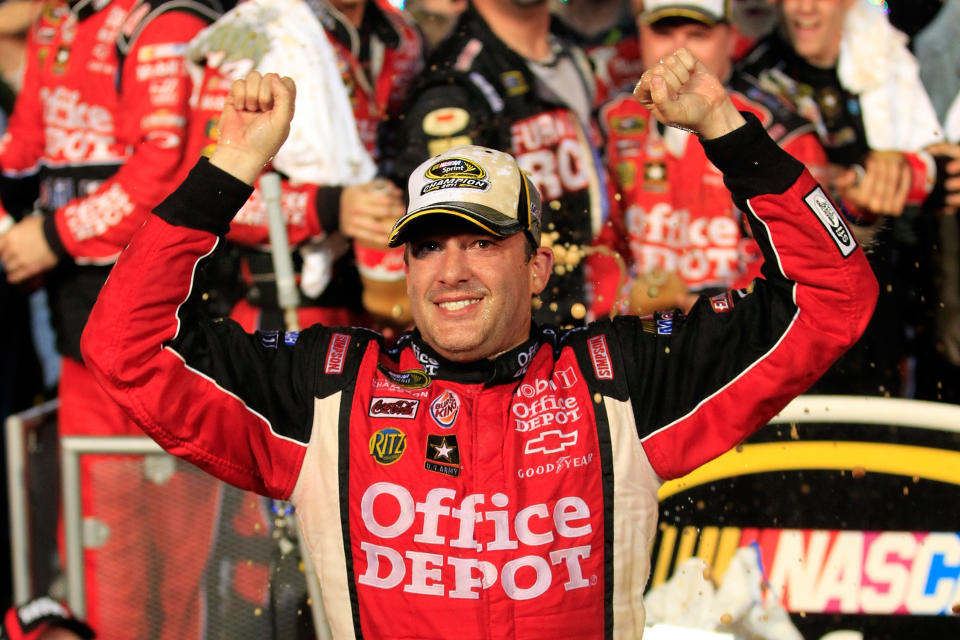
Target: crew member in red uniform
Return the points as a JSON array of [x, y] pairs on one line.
[[683, 232], [101, 123], [486, 477], [377, 51]]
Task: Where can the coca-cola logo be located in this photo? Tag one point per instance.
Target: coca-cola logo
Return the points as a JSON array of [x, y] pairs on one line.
[[445, 408], [404, 408]]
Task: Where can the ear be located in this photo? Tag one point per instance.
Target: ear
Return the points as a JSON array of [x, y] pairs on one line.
[[541, 266]]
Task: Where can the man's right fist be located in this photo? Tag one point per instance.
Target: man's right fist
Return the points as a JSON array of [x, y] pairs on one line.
[[681, 92], [254, 124]]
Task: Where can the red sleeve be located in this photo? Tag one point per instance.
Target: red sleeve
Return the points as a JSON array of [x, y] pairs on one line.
[[757, 351], [238, 406], [300, 209], [153, 117]]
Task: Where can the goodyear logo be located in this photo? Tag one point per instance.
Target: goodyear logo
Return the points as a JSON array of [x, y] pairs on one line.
[[387, 445], [409, 379]]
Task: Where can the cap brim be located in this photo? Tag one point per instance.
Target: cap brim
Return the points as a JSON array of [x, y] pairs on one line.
[[678, 12], [485, 218]]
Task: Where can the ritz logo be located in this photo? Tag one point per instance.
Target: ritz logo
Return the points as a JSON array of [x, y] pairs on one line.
[[445, 408], [387, 445]]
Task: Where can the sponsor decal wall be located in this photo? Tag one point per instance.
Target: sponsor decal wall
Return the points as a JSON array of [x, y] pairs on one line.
[[855, 525]]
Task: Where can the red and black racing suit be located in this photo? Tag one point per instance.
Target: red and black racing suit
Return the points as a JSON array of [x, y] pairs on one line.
[[514, 497], [101, 123]]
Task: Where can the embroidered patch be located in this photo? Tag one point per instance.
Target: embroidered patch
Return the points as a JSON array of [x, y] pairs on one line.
[[455, 173], [387, 445], [514, 83], [443, 455], [553, 441], [337, 353], [403, 408], [409, 379], [832, 221], [602, 367], [721, 303], [664, 323], [444, 409]]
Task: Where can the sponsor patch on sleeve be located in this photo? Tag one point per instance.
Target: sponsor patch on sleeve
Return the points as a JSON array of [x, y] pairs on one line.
[[831, 220], [337, 353]]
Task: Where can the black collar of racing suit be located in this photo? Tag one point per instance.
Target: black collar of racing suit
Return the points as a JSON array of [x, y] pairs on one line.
[[507, 367]]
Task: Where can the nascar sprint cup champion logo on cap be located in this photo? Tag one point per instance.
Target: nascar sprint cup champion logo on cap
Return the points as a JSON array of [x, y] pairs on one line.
[[482, 186], [455, 173]]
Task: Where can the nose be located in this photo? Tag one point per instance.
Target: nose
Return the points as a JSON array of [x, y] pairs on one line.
[[454, 268]]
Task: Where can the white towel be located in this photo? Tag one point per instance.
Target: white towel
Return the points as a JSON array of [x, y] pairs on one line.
[[952, 124], [874, 63], [286, 37]]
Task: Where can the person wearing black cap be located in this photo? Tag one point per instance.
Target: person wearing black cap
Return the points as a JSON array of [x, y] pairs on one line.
[[485, 477], [681, 242]]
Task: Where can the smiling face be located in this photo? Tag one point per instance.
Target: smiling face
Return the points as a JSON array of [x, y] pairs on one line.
[[814, 28], [713, 46], [470, 292]]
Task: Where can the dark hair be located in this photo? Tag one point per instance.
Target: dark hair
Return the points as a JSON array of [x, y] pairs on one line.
[[529, 249]]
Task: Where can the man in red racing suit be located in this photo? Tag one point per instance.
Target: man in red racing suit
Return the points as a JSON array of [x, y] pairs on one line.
[[487, 477], [101, 124]]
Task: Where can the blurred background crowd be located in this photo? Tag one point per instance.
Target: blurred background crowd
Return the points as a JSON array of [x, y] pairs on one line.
[[107, 104]]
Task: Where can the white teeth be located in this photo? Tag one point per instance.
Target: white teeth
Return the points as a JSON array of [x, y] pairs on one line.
[[459, 304]]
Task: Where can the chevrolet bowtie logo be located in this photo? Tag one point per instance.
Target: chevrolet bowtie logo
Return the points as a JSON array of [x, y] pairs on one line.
[[551, 442]]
